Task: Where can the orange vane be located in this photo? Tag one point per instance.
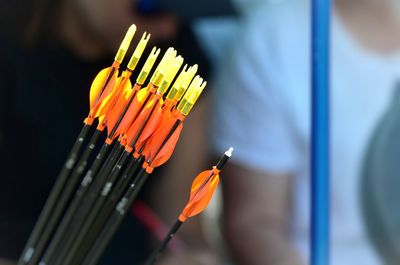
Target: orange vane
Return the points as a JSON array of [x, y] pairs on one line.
[[203, 188]]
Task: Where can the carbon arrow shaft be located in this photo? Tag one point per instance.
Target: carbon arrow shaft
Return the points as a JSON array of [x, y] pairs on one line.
[[48, 208]]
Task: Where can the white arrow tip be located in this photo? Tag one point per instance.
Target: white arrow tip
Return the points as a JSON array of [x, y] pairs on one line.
[[229, 152]]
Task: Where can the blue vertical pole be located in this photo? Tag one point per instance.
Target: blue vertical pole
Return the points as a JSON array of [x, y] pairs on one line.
[[320, 132]]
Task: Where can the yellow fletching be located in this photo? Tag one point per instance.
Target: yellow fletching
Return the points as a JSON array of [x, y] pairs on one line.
[[141, 95], [97, 85], [127, 87]]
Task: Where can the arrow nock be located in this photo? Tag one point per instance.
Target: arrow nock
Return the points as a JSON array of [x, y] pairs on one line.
[[138, 51], [147, 66], [119, 57], [176, 63], [161, 70], [186, 81], [191, 96]]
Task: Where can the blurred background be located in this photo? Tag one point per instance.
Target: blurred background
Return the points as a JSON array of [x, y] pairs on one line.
[[255, 54]]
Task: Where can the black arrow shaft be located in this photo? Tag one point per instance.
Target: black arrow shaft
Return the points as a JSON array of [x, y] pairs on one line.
[[89, 208], [115, 219], [53, 197], [157, 253], [65, 197], [107, 208], [86, 199], [56, 243]]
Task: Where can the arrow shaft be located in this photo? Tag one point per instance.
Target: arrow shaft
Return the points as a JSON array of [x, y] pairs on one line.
[[52, 200], [81, 207], [56, 246], [72, 255], [86, 206], [63, 200], [157, 253], [108, 206], [116, 218]]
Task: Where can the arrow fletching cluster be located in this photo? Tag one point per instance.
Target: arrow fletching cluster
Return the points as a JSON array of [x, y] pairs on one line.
[[142, 122]]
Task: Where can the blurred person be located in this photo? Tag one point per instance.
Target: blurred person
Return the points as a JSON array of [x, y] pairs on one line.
[[50, 52], [380, 182], [261, 107]]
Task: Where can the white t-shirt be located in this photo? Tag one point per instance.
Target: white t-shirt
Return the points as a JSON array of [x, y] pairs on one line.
[[262, 108]]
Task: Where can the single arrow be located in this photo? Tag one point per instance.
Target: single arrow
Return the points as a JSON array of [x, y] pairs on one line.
[[202, 190]]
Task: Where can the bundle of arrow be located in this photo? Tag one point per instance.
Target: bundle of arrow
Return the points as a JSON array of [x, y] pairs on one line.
[[86, 205]]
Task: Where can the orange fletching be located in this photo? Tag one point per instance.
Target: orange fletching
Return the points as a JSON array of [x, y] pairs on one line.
[[97, 85], [151, 126], [133, 105], [114, 113], [158, 149], [147, 121], [202, 190], [133, 111], [109, 108]]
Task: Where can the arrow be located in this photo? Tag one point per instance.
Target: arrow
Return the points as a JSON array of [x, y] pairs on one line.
[[202, 190], [98, 92]]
